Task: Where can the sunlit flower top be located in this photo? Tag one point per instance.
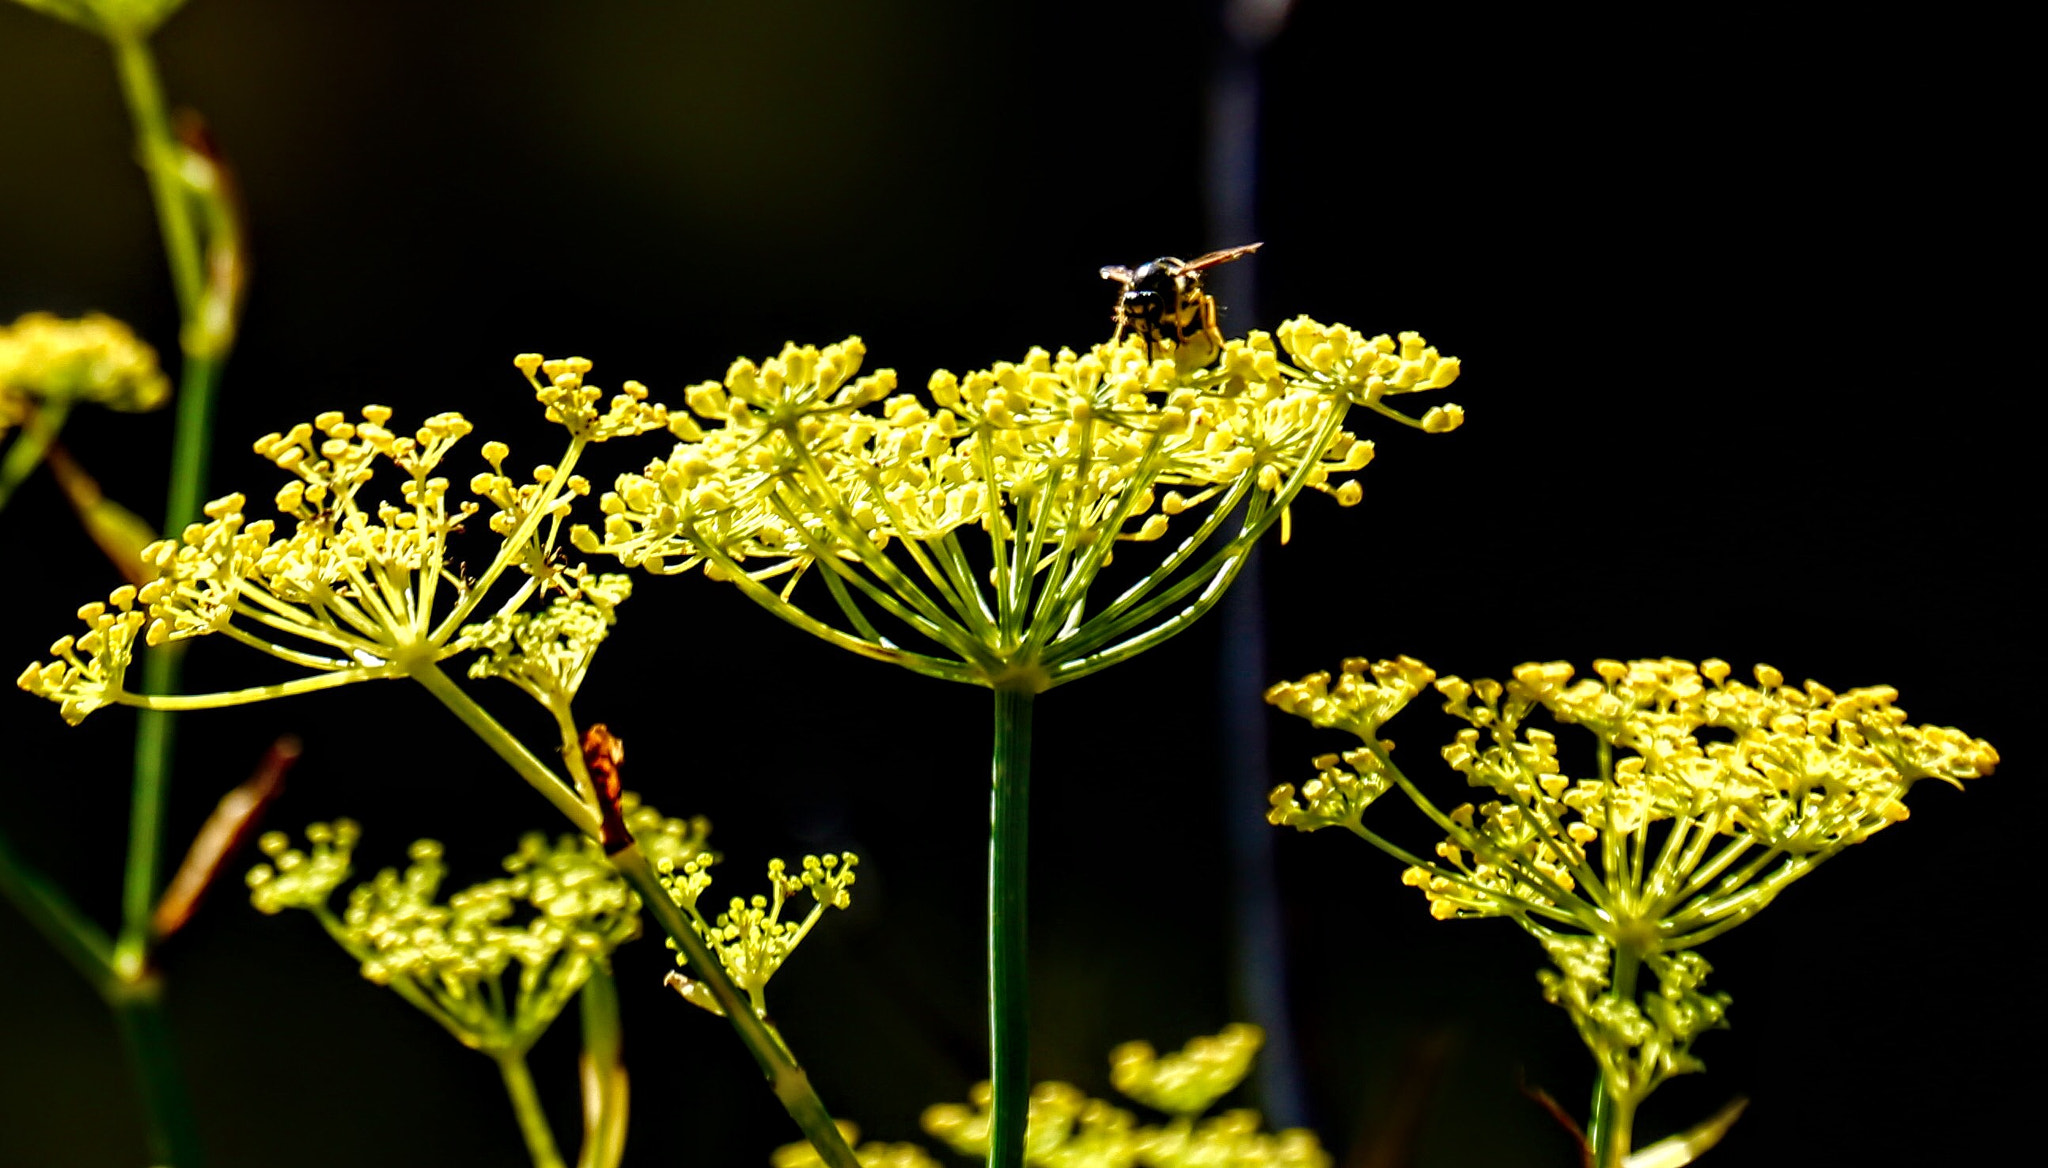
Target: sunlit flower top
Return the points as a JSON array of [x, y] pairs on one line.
[[1781, 776], [351, 586], [798, 463]]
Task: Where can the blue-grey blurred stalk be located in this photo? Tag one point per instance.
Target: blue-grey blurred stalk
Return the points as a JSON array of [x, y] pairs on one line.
[[1258, 949]]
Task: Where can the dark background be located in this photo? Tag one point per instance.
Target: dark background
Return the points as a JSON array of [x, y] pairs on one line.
[[1737, 387]]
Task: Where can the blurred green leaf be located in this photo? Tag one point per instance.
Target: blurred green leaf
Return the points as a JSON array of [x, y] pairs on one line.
[[1686, 1146]]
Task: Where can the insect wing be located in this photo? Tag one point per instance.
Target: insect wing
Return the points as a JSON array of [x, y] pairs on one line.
[[1219, 257]]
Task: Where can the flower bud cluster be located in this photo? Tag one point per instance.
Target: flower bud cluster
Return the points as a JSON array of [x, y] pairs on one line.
[[1189, 1080], [1365, 695], [1638, 1040], [548, 653], [750, 937], [559, 387]]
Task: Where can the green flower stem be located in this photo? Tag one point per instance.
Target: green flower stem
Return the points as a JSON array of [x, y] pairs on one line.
[[144, 93], [74, 936], [513, 751], [604, 1074], [533, 1122], [35, 438], [173, 1139], [1608, 1129], [167, 1110], [787, 1079], [165, 703], [1008, 974]]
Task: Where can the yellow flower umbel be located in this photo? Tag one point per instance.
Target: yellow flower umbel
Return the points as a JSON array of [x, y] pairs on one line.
[[360, 588], [350, 586], [1067, 1129], [1710, 797], [796, 464], [963, 534], [494, 963], [47, 359], [750, 937], [48, 365], [556, 915]]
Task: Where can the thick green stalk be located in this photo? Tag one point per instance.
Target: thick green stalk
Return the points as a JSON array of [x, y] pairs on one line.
[[605, 1099], [1009, 991], [138, 1009], [533, 1122], [1608, 1128]]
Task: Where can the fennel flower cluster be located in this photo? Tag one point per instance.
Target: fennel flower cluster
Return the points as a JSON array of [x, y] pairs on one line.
[[1067, 1129], [750, 938], [347, 586], [1711, 795], [47, 359], [798, 463], [558, 912]]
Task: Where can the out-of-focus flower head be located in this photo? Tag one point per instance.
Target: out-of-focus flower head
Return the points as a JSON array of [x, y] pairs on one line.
[[1067, 1129], [47, 359]]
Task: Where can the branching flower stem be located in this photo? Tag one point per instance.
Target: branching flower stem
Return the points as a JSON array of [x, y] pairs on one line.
[[605, 1098], [785, 1076]]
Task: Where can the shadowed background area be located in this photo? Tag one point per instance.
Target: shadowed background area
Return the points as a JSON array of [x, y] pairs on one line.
[[1731, 392]]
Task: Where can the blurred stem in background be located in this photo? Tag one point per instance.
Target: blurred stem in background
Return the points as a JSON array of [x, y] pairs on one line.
[[202, 244], [1258, 957]]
